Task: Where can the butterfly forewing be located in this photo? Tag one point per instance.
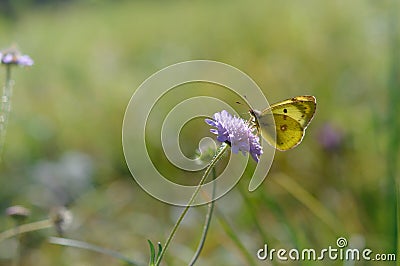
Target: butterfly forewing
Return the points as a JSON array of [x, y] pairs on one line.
[[300, 108], [283, 124]]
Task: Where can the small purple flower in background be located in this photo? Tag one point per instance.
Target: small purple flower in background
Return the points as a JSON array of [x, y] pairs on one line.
[[237, 133], [14, 57], [330, 138], [18, 213], [8, 58]]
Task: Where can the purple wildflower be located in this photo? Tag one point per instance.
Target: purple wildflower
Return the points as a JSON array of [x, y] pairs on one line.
[[237, 133], [330, 138], [13, 56], [18, 211]]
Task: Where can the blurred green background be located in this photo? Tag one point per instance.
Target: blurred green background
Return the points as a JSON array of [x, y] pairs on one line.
[[63, 144]]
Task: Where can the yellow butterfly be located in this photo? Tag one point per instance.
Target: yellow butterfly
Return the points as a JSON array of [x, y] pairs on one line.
[[291, 118]]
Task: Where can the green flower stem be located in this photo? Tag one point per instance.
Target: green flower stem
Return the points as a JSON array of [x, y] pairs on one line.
[[308, 200], [25, 228], [83, 245], [235, 238], [5, 107], [281, 217], [252, 212], [18, 230], [393, 133], [218, 156], [18, 246], [206, 224]]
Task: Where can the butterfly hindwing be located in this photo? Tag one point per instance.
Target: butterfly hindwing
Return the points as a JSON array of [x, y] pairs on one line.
[[289, 133]]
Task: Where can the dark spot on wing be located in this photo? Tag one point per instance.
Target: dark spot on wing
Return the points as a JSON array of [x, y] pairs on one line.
[[284, 116], [284, 127], [285, 110]]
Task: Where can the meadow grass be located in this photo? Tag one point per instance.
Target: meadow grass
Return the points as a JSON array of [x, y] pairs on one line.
[[89, 59]]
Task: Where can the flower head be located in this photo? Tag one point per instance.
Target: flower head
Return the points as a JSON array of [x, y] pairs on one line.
[[330, 138], [13, 57], [18, 213], [61, 218], [237, 133]]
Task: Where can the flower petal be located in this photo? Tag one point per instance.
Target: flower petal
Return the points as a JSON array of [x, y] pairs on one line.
[[236, 132]]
